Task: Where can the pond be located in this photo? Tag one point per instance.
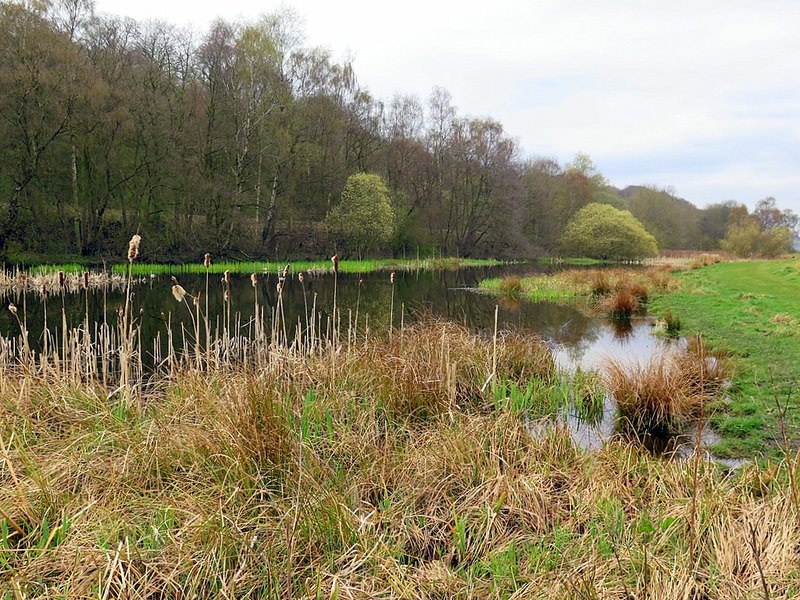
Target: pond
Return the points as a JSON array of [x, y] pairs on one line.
[[447, 294], [578, 340]]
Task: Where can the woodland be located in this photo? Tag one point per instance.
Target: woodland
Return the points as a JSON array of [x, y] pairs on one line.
[[240, 140]]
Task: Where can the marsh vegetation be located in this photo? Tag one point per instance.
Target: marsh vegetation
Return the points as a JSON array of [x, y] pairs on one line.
[[363, 457]]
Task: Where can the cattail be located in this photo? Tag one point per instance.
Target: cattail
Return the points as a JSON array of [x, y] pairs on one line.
[[227, 277], [335, 261], [253, 280], [61, 279], [12, 309], [391, 278], [286, 271], [207, 260], [24, 278], [86, 280], [133, 247], [300, 277], [178, 292]]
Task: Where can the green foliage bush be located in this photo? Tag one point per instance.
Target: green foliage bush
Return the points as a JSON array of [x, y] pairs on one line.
[[601, 231], [364, 218], [747, 239]]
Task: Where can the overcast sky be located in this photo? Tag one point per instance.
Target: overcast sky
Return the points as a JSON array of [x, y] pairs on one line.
[[700, 95]]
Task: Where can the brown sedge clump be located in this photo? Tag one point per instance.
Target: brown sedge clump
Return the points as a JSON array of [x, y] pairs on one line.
[[667, 392]]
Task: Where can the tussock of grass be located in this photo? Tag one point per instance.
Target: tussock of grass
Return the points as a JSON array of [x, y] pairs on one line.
[[622, 304], [669, 391], [786, 324]]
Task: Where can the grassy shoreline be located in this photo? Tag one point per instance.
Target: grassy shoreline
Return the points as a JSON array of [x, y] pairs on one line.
[[749, 310], [247, 267]]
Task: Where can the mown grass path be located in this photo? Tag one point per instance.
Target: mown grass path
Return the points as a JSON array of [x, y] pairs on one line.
[[751, 309]]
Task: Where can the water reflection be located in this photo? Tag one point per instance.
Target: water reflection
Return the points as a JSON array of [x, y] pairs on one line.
[[446, 294]]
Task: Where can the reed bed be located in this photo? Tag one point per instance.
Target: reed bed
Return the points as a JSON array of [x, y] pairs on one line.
[[43, 281], [298, 480]]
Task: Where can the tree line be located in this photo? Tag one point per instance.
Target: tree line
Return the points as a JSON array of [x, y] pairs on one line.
[[241, 140]]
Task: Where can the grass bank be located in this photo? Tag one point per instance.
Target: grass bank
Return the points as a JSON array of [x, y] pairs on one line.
[[378, 468], [751, 310], [345, 266], [585, 286]]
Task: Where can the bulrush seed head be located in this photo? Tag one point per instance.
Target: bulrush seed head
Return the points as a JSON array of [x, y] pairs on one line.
[[253, 279], [12, 309], [392, 277], [86, 280], [61, 279], [207, 260], [335, 261], [286, 271], [301, 277], [178, 292], [133, 247]]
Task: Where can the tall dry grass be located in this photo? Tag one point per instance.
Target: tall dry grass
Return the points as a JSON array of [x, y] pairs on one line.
[[290, 480]]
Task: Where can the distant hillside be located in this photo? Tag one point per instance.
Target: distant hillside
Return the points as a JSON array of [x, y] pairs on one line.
[[675, 222]]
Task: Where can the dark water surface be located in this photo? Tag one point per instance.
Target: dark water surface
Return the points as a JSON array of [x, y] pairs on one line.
[[447, 294]]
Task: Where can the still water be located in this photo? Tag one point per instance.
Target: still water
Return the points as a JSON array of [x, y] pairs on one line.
[[578, 340], [446, 294]]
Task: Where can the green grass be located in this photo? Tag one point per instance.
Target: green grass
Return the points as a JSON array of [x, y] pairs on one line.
[[750, 309], [345, 266], [577, 261], [537, 288]]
